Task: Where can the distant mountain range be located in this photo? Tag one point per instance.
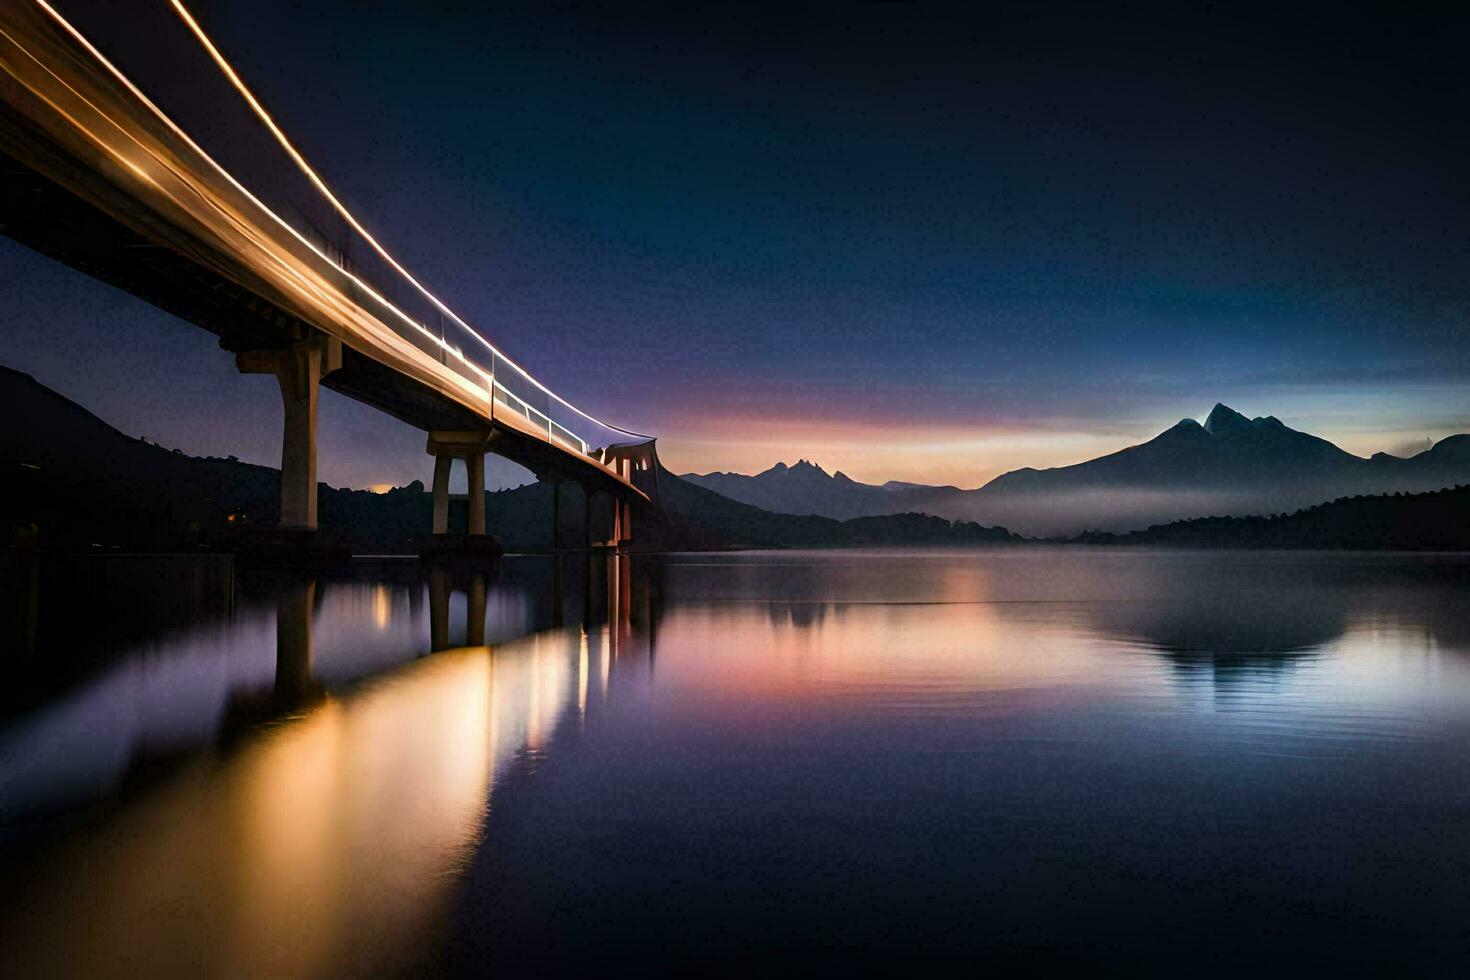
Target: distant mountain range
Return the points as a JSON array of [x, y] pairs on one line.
[[806, 488], [71, 482], [1230, 466]]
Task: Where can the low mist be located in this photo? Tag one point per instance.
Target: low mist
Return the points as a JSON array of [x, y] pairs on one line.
[[1065, 514]]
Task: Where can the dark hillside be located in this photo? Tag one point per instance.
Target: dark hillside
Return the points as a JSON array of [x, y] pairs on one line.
[[1435, 521], [72, 482]]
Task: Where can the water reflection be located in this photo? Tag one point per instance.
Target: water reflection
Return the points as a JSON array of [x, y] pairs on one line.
[[294, 686], [320, 846], [92, 608], [1228, 621], [858, 756], [326, 841], [260, 647]]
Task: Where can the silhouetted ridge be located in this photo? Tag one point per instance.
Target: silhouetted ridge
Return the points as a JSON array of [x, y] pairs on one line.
[[1223, 419], [1436, 521], [1229, 465], [806, 488], [75, 483]]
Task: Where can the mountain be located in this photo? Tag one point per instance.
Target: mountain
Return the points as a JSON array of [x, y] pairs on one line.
[[747, 525], [69, 481], [1230, 465], [806, 488]]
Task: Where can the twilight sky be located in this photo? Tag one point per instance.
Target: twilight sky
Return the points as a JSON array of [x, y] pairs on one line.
[[902, 243]]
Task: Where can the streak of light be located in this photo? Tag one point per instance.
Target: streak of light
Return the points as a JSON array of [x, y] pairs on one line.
[[288, 271], [347, 215], [484, 393], [307, 243]]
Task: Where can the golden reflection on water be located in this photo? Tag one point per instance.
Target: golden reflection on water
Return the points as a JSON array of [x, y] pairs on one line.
[[582, 675], [382, 606], [325, 846]]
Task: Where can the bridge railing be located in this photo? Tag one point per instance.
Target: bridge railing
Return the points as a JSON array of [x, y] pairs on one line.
[[153, 45]]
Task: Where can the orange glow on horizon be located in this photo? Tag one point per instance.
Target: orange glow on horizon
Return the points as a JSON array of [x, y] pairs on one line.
[[965, 456], [970, 454]]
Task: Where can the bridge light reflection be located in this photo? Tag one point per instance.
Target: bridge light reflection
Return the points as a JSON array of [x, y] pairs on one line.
[[326, 844]]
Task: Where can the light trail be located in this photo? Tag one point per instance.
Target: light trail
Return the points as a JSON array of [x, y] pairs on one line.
[[347, 215], [491, 386], [287, 272], [286, 226]]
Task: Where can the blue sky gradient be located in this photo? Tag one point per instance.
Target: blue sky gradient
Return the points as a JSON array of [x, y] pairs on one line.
[[908, 245]]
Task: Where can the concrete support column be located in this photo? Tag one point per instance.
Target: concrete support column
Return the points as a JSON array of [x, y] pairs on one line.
[[625, 521], [298, 372], [625, 506], [622, 521], [476, 464], [555, 513], [442, 463], [446, 446], [298, 377]]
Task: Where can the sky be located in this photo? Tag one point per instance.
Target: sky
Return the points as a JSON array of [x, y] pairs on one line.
[[902, 242]]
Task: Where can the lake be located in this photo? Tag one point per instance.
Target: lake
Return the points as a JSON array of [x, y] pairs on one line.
[[1032, 759]]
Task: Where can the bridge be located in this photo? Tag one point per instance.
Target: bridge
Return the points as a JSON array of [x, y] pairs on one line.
[[250, 243]]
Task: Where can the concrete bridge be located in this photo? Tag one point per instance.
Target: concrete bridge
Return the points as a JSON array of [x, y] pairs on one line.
[[94, 172]]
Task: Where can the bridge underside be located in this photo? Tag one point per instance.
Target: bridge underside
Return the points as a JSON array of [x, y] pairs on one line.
[[49, 218]]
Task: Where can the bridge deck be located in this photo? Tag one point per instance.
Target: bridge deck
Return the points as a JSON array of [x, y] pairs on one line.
[[95, 177]]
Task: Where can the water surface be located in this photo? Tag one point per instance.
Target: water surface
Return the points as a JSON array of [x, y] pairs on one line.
[[1024, 758]]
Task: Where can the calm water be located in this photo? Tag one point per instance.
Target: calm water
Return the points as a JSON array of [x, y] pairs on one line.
[[1169, 762]]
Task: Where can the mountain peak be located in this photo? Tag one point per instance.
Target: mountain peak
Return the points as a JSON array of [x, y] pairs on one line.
[[1224, 419]]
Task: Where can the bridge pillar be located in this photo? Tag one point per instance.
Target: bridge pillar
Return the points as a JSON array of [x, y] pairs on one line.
[[298, 383], [609, 526], [638, 466], [622, 529], [446, 446], [298, 372], [441, 493], [625, 520], [476, 464]]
